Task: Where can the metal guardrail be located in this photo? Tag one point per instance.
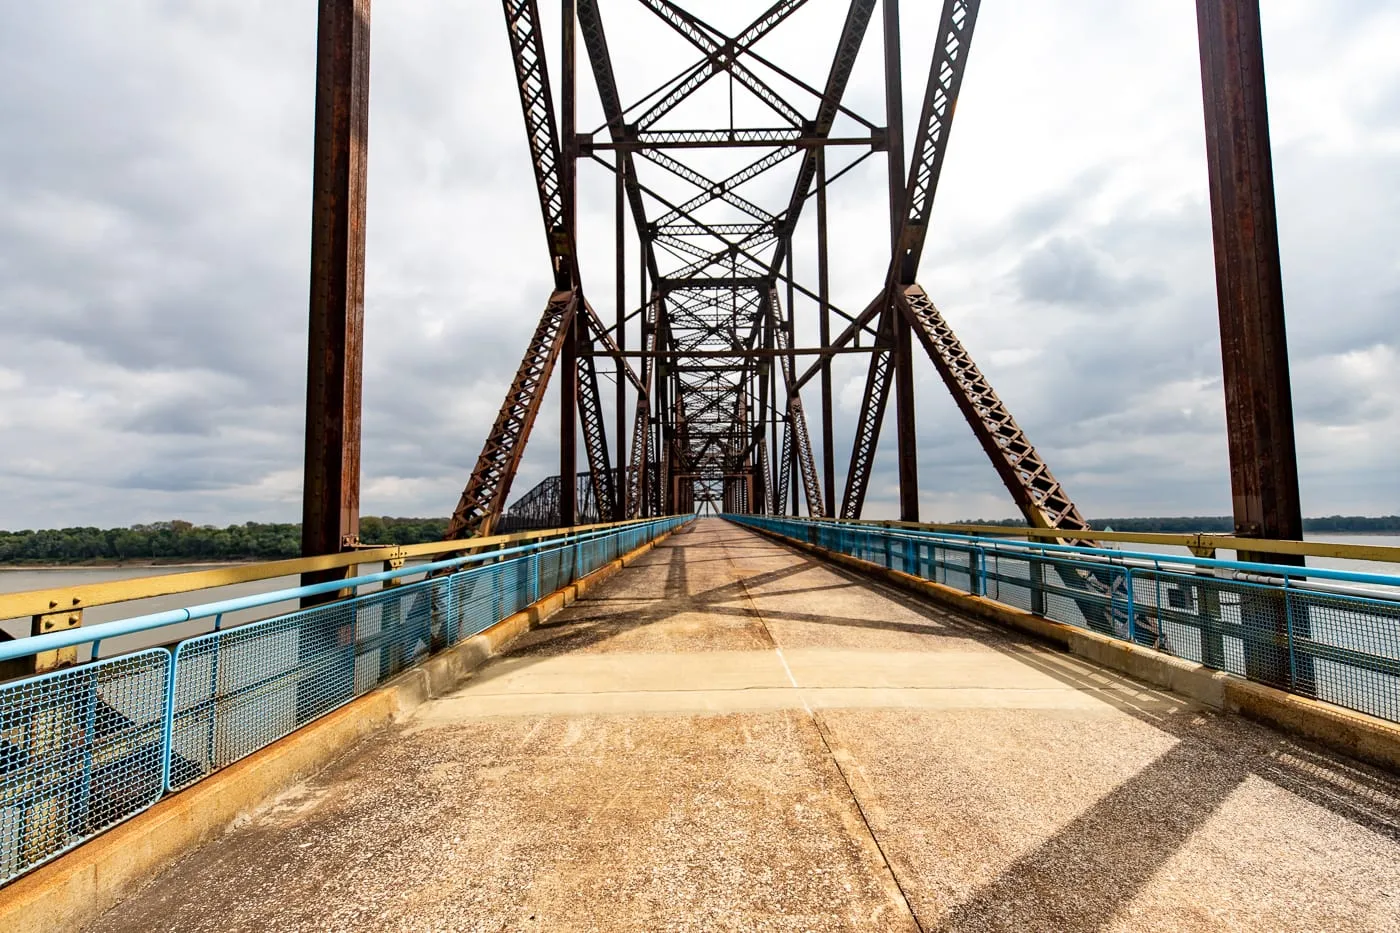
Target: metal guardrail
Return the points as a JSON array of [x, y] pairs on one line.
[[1201, 543], [1330, 635], [86, 747]]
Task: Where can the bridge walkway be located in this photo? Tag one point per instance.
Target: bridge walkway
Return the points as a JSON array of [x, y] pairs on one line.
[[731, 735]]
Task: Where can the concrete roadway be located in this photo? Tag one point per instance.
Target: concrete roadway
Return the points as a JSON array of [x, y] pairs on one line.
[[731, 736]]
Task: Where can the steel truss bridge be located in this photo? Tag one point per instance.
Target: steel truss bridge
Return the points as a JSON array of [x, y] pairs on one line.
[[707, 360], [716, 406], [949, 668], [717, 377]]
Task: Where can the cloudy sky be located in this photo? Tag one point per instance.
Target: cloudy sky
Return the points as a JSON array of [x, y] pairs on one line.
[[155, 191]]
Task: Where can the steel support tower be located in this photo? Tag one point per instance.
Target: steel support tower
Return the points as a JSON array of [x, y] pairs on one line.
[[706, 367]]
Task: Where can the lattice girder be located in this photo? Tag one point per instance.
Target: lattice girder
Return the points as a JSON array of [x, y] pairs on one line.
[[483, 499]]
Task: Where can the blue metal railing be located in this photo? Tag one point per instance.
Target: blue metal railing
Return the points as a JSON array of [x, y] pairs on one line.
[[84, 748], [1331, 635]]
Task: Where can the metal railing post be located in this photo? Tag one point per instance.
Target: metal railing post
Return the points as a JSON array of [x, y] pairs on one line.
[[167, 728], [1288, 634], [1132, 622]]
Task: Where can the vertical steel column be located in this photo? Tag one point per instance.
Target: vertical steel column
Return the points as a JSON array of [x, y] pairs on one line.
[[335, 336], [568, 377], [644, 481], [824, 322], [792, 368], [779, 502], [1249, 280], [621, 414], [906, 432], [767, 415], [1253, 341]]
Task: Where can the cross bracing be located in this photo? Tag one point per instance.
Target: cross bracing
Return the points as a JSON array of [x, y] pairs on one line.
[[717, 155]]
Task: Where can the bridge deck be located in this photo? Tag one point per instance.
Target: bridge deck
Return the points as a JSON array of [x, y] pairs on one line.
[[730, 735]]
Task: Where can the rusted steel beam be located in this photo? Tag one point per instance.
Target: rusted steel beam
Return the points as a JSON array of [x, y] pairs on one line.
[[722, 54], [484, 499], [1253, 341], [847, 47], [596, 44], [785, 473], [824, 337], [537, 105], [1249, 278], [730, 139], [1039, 496], [573, 339], [620, 276], [595, 438], [335, 337], [639, 465], [908, 436], [907, 429], [872, 415], [953, 42], [800, 448], [568, 422]]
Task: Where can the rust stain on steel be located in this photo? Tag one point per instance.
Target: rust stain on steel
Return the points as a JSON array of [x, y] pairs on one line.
[[1249, 280], [335, 346]]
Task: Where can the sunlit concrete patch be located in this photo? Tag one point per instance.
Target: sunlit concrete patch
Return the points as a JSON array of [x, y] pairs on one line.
[[583, 673], [1264, 838], [987, 669]]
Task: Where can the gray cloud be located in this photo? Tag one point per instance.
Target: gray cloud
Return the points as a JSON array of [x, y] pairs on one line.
[[1069, 271], [155, 189]]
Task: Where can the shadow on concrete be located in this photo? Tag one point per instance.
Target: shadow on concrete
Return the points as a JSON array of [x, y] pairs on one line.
[[1114, 848]]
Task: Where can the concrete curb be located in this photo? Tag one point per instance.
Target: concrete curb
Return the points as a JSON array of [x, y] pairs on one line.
[[1367, 738], [81, 884]]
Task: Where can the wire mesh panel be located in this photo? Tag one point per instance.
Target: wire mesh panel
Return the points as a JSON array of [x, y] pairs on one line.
[[517, 586], [239, 690], [1012, 579], [80, 750], [554, 567], [1351, 648], [952, 566], [1228, 625]]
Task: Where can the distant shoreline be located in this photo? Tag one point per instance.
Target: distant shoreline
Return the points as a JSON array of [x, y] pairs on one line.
[[129, 565]]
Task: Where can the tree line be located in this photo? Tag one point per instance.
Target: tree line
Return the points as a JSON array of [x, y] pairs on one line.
[[183, 541]]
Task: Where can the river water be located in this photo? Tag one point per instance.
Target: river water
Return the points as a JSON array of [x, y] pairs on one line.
[[18, 580], [1330, 563]]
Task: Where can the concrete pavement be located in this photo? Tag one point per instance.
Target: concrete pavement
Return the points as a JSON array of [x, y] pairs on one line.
[[729, 735]]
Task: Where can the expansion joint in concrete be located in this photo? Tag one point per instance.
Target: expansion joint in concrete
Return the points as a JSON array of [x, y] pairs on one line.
[[825, 736]]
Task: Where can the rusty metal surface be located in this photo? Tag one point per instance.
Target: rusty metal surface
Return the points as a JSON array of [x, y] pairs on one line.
[[872, 415], [484, 497], [1039, 496], [335, 336], [1249, 283], [594, 429], [537, 105], [952, 44], [715, 249]]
